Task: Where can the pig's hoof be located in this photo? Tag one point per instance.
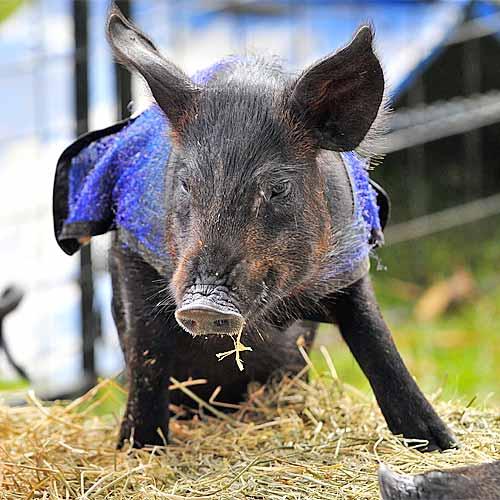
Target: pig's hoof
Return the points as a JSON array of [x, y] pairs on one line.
[[440, 439], [437, 435], [140, 437], [424, 426]]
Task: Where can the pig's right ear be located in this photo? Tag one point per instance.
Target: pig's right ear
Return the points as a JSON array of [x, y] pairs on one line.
[[339, 97], [172, 89]]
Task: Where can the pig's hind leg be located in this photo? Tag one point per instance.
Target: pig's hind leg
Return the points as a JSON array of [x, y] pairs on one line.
[[403, 405], [147, 347]]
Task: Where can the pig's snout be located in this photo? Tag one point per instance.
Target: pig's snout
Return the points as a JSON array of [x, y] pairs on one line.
[[209, 303], [202, 317]]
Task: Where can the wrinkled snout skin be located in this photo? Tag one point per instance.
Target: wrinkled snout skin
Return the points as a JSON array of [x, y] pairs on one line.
[[258, 215], [210, 281], [206, 312]]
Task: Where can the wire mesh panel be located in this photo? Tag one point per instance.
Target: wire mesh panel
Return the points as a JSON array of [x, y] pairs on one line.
[[37, 72]]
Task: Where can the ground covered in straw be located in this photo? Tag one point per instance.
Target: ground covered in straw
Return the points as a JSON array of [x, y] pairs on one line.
[[321, 440]]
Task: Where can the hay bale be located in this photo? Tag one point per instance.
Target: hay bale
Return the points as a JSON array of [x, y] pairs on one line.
[[321, 440]]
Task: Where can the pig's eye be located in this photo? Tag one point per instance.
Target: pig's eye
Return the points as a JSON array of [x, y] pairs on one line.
[[184, 186], [280, 190]]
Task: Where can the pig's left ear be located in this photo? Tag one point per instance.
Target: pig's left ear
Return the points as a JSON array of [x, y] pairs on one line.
[[171, 88], [339, 97]]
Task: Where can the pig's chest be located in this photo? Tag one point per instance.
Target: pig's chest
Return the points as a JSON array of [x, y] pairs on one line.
[[276, 352]]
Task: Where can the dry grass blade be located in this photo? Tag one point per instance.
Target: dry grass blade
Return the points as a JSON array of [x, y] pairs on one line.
[[293, 441]]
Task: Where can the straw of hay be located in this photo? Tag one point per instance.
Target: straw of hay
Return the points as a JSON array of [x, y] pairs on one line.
[[238, 349], [296, 440]]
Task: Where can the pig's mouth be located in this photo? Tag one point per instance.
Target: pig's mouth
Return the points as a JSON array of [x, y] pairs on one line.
[[213, 314]]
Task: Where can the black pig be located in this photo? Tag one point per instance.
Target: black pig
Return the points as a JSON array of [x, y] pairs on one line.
[[240, 207], [474, 482]]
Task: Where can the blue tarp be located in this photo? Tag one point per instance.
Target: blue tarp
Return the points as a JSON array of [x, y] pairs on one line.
[[409, 34]]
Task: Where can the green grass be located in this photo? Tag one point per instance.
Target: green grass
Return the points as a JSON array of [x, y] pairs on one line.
[[110, 398], [458, 353], [7, 7], [13, 385]]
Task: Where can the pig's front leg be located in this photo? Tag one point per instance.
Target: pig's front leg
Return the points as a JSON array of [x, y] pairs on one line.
[[147, 343], [403, 405]]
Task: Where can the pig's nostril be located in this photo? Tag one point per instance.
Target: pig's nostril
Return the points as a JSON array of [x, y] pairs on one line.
[[203, 319]]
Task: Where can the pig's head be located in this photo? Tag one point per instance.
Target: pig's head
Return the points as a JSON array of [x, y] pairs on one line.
[[249, 222]]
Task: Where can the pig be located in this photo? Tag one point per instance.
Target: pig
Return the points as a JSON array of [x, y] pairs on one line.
[[240, 205], [474, 482]]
